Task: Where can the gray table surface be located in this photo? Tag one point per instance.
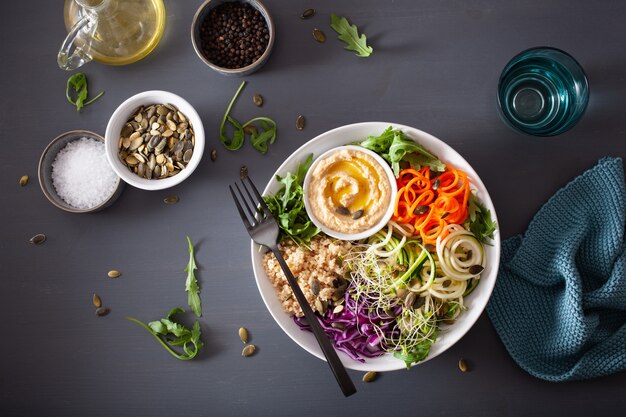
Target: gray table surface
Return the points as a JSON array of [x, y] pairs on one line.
[[435, 67]]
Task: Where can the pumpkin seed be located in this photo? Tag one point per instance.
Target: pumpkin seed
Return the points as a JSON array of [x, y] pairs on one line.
[[97, 303], [321, 306], [463, 365], [319, 36], [357, 214], [338, 325], [338, 309], [410, 299], [370, 376], [23, 180], [243, 334], [476, 269], [300, 122], [243, 172], [315, 287], [248, 350], [171, 200], [257, 99], [430, 248], [102, 311], [307, 14], [436, 184], [38, 239], [342, 210], [213, 154], [419, 210], [445, 214], [446, 283], [114, 273], [250, 130]]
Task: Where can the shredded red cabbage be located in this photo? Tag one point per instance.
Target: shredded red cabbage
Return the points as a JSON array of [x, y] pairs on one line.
[[352, 330]]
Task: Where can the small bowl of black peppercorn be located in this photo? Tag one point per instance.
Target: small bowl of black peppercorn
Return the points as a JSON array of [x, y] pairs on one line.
[[233, 37]]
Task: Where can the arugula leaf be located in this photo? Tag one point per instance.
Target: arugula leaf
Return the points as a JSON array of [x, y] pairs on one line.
[[234, 143], [395, 147], [258, 140], [350, 35], [287, 205], [172, 334], [78, 82], [191, 285], [480, 222]]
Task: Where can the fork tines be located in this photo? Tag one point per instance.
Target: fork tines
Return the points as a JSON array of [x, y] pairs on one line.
[[260, 210]]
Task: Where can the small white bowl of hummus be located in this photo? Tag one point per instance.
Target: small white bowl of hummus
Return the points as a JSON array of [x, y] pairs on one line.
[[349, 192]]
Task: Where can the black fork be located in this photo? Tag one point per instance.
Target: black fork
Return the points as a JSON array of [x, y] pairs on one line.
[[263, 229]]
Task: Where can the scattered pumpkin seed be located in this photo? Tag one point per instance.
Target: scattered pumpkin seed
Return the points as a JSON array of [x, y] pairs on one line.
[[243, 334], [446, 283], [243, 172], [357, 214], [343, 211], [23, 180], [38, 239], [370, 376], [338, 309], [463, 365], [257, 99], [315, 287], [319, 36], [114, 274], [102, 311], [171, 199], [419, 210], [445, 214], [248, 350], [250, 130], [213, 154], [97, 303], [338, 325], [307, 14], [436, 184], [410, 299], [300, 122], [430, 248], [476, 269]]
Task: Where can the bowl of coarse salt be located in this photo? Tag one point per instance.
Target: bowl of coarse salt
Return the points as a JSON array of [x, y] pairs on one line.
[[74, 173]]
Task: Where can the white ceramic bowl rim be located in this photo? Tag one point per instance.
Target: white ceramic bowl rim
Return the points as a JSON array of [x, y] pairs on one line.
[[121, 116], [365, 233], [476, 302]]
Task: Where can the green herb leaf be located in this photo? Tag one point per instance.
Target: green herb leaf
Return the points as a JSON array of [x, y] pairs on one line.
[[480, 222], [236, 141], [287, 205], [172, 334], [350, 35], [191, 284], [395, 147], [78, 82], [261, 140], [417, 354]]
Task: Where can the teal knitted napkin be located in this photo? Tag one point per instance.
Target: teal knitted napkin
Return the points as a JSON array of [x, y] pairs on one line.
[[559, 304]]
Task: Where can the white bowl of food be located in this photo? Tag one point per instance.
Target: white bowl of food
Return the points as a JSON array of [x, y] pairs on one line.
[[330, 269], [154, 140], [349, 192]]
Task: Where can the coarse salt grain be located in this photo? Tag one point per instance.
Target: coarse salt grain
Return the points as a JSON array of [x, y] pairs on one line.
[[81, 175]]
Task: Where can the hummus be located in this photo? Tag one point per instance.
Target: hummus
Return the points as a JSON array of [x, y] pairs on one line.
[[349, 191]]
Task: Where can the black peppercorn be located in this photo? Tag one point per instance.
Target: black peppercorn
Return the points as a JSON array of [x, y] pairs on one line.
[[233, 35]]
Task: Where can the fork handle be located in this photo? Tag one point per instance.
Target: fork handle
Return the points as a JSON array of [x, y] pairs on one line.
[[341, 375]]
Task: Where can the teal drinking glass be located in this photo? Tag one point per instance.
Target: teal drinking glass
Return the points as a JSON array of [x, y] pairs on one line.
[[542, 92]]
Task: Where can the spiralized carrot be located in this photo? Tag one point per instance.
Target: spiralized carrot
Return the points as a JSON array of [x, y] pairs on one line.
[[428, 204]]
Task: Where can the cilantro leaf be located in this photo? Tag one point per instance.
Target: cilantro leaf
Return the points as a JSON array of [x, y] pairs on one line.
[[78, 82], [191, 284], [350, 35]]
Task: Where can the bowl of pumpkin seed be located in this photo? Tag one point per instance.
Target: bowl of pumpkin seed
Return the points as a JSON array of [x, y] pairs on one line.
[[154, 140]]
